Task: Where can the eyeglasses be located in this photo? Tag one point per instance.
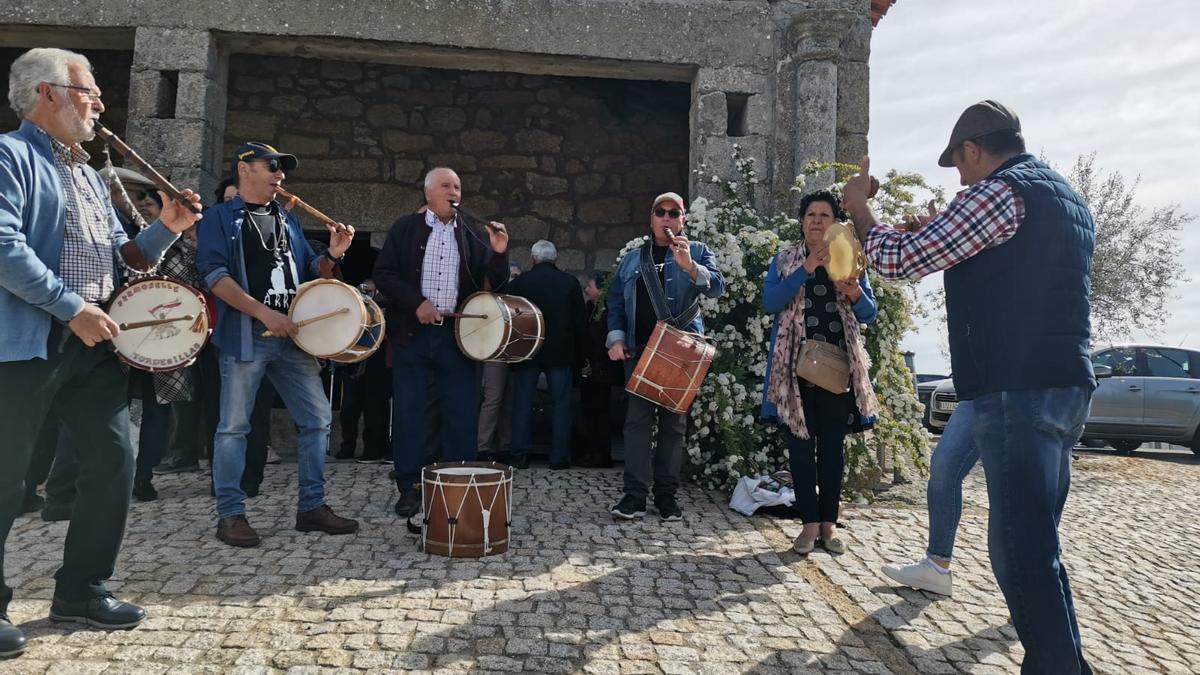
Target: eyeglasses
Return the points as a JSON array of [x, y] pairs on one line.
[[272, 164], [673, 213], [139, 195], [90, 94]]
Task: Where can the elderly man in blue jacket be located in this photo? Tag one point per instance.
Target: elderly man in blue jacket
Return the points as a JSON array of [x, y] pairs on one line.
[[61, 253], [253, 256], [686, 270]]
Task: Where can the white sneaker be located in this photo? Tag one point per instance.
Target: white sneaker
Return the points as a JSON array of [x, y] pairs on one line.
[[273, 457], [921, 576]]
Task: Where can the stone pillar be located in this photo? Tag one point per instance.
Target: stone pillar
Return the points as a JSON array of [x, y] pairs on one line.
[[177, 105], [818, 36], [854, 90], [718, 94]]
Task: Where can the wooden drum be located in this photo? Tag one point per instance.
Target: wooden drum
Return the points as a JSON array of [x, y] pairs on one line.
[[671, 368], [467, 508]]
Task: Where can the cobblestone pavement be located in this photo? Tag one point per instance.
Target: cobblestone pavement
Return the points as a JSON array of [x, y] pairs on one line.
[[716, 593]]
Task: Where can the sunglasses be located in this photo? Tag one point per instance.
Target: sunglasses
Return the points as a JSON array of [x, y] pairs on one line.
[[139, 195], [273, 164], [673, 213]]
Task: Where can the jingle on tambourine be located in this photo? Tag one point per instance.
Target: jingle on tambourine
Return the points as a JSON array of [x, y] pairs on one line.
[[846, 259]]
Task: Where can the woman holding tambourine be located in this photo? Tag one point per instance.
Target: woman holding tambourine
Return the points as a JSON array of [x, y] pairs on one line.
[[817, 385]]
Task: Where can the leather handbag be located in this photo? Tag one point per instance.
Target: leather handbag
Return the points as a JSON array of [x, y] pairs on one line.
[[825, 365]]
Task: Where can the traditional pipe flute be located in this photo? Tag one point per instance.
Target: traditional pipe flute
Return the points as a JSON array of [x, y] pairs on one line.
[[162, 183], [473, 216], [291, 201]]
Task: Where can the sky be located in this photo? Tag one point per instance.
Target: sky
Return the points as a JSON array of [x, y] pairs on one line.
[[1121, 79]]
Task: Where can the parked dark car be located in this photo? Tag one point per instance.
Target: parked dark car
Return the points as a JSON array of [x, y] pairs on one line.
[[1146, 393]]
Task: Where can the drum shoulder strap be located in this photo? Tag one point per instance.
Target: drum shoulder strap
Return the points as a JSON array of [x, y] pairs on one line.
[[658, 295]]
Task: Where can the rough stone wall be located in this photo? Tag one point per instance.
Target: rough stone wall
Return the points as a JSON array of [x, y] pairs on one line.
[[573, 160], [111, 69]]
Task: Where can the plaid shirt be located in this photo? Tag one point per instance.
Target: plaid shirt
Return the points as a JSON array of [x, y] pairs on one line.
[[439, 270], [984, 215], [87, 258]]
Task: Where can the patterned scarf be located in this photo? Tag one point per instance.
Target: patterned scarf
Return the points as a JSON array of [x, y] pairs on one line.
[[784, 388]]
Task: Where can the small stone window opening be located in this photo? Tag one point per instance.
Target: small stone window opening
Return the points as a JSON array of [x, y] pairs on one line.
[[168, 90], [735, 106]]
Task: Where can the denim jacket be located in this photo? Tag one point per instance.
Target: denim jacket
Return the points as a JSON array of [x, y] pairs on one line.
[[220, 255], [33, 216], [680, 289]]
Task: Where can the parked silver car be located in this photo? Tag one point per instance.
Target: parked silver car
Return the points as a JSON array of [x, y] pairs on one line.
[[1146, 393]]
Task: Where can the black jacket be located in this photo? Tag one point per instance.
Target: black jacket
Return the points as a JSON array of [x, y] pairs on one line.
[[398, 270], [560, 297]]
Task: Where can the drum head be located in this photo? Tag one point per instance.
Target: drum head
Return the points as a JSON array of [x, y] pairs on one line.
[[481, 339], [332, 336], [467, 471], [167, 346]]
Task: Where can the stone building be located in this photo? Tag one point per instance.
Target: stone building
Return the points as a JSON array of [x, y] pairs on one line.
[[563, 117]]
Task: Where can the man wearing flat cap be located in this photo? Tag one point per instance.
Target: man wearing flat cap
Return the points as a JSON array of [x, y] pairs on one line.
[[1016, 246], [253, 257], [662, 280]]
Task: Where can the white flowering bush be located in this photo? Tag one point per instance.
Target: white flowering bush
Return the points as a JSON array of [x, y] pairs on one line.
[[726, 438]]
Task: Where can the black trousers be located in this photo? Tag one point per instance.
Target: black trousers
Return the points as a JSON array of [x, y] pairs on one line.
[[594, 404], [368, 397], [818, 462], [86, 390]]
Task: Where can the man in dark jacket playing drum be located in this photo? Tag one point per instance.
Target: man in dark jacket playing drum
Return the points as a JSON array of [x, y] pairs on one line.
[[429, 264], [685, 271]]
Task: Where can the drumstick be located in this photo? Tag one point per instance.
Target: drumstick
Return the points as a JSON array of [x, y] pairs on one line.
[[460, 315], [154, 322], [304, 322]]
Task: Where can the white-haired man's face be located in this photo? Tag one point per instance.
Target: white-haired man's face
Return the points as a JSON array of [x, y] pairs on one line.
[[75, 106], [444, 187]]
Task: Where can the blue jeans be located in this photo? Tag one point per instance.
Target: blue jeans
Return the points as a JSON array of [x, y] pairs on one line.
[[525, 378], [432, 354], [1025, 439], [953, 458], [296, 376]]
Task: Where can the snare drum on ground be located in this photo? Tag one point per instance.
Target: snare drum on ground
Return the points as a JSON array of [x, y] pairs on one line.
[[164, 323], [467, 507]]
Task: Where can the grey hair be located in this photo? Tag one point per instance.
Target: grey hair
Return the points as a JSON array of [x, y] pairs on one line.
[[543, 251], [429, 176], [43, 64]]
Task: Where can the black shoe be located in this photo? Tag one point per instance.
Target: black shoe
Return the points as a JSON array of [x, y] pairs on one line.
[[629, 508], [12, 640], [103, 611], [33, 502], [559, 466], [144, 490], [668, 509], [369, 459], [408, 503], [250, 490], [520, 462], [54, 513], [169, 468], [345, 454]]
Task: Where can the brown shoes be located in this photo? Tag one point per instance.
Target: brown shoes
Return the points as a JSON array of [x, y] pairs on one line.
[[323, 519], [236, 531]]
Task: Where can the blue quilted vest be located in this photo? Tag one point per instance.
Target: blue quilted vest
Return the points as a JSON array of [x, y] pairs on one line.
[[1018, 312]]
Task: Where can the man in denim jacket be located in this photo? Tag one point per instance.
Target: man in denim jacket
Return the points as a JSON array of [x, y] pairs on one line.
[[253, 257], [687, 270], [61, 254]]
